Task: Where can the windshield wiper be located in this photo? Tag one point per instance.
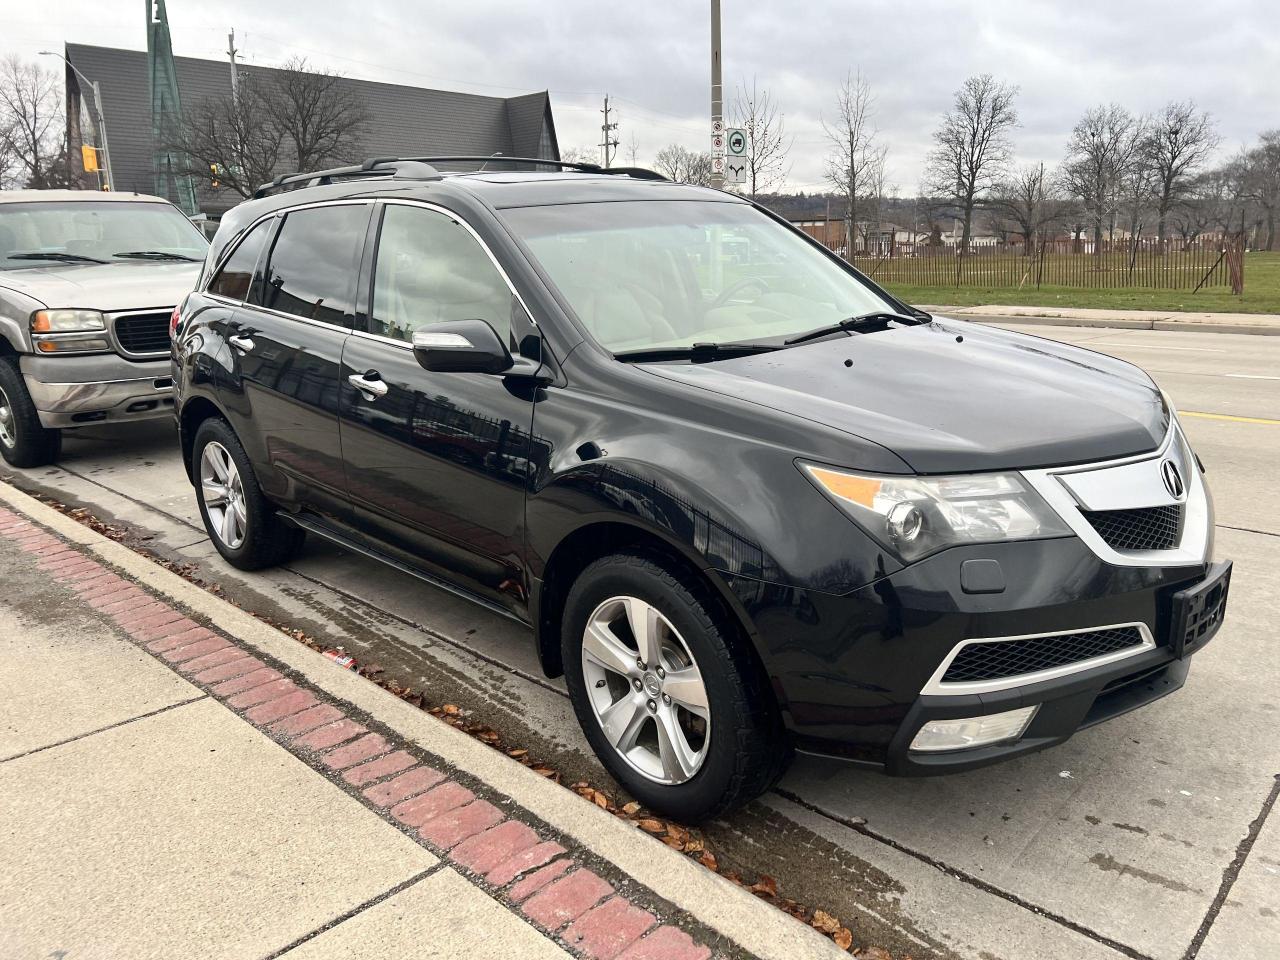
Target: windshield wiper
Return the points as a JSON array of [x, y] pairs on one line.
[[155, 255], [698, 352], [853, 324], [61, 257]]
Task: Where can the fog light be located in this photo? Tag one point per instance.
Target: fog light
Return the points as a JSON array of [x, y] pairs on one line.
[[970, 732]]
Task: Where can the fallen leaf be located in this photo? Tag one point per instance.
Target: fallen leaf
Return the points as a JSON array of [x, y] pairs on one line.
[[651, 826], [843, 938], [708, 860], [876, 953], [517, 753], [631, 808], [451, 709], [692, 845], [825, 922], [544, 771], [599, 799], [766, 885], [677, 832], [673, 843]]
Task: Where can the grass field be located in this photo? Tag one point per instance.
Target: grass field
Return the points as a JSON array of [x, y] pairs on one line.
[[1261, 294]]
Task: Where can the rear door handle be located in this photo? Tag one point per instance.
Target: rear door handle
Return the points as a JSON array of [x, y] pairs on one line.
[[370, 385], [240, 342]]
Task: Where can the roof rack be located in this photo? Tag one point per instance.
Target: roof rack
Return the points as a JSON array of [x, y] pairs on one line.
[[421, 168]]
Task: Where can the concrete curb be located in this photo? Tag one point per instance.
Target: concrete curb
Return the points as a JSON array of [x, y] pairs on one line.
[[1241, 323], [720, 905]]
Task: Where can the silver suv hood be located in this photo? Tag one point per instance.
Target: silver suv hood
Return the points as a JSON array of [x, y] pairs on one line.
[[126, 285]]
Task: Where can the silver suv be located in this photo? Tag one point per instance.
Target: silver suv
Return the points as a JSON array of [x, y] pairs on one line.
[[88, 283]]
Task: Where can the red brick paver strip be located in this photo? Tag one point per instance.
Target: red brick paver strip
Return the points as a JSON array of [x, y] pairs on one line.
[[280, 707], [538, 879], [484, 851], [666, 943], [605, 931], [306, 721], [366, 773], [327, 736], [408, 784], [565, 900], [261, 693], [366, 748], [523, 862], [519, 862], [416, 812], [450, 829]]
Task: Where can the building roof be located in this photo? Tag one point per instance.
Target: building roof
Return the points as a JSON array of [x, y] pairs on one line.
[[403, 121]]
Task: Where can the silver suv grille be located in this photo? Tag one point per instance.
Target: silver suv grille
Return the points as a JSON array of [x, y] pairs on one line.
[[142, 333]]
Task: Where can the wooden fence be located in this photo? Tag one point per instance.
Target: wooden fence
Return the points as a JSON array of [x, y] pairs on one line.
[[1143, 263]]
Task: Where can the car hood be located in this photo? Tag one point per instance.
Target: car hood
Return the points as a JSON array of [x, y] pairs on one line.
[[127, 285], [952, 397]]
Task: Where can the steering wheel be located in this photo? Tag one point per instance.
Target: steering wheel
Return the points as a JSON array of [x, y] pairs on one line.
[[742, 284]]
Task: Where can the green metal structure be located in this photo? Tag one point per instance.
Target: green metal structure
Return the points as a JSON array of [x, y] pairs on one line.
[[171, 181]]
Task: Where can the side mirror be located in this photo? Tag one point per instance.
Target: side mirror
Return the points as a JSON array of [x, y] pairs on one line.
[[461, 346]]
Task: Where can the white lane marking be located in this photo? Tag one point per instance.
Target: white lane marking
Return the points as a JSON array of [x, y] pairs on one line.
[[1152, 346], [1250, 376]]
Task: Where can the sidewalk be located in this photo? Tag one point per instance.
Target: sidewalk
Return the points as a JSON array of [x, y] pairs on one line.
[[1250, 323], [180, 780]]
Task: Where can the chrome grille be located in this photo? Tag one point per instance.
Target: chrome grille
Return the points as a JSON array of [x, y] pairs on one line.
[[142, 333], [1147, 528], [997, 660]]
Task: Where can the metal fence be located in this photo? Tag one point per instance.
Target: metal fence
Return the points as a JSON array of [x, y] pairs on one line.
[[1142, 263]]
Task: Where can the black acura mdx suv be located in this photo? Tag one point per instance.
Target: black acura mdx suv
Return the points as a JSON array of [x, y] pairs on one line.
[[747, 501]]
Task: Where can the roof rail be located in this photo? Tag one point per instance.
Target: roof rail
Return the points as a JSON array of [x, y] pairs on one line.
[[421, 168]]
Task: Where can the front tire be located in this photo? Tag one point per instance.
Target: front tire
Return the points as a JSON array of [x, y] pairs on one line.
[[669, 697], [23, 441], [242, 523]]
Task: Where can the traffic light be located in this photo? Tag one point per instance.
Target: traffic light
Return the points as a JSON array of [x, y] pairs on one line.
[[214, 171], [89, 157]]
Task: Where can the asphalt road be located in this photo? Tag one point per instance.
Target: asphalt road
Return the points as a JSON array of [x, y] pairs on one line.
[[1151, 836]]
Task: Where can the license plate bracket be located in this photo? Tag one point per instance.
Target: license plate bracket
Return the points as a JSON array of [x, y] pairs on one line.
[[1198, 611]]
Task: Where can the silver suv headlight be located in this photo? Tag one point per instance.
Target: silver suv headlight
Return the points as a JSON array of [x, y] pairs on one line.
[[916, 516], [69, 331]]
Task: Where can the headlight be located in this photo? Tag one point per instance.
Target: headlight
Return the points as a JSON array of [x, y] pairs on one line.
[[67, 321], [916, 516]]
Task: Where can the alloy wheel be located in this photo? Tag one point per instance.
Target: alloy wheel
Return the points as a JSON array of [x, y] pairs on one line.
[[223, 495], [8, 429], [646, 690]]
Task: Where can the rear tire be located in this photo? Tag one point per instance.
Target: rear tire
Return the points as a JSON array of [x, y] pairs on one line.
[[729, 745], [243, 524], [23, 441]]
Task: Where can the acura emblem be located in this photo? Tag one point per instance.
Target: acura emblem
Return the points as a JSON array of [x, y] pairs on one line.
[[1172, 479]]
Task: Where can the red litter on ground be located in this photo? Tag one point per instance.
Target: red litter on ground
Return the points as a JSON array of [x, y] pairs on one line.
[[341, 659]]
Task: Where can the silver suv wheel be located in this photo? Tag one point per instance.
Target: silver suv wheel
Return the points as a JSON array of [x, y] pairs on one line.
[[223, 495], [646, 690]]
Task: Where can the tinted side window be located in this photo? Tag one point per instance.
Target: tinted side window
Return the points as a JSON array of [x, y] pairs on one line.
[[312, 269], [237, 273], [430, 268]]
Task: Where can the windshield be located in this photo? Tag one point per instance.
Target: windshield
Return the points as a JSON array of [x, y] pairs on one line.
[[657, 274], [113, 231]]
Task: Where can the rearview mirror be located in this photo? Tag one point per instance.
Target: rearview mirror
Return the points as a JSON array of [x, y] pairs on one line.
[[461, 346]]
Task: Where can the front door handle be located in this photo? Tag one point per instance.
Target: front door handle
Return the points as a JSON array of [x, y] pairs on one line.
[[370, 385], [240, 342]]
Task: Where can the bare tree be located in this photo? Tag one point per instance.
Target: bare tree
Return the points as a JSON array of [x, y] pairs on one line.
[[1179, 141], [1101, 153], [972, 149], [757, 113], [855, 160], [580, 155], [1028, 200], [321, 115], [683, 165], [32, 130], [231, 139], [1261, 175], [632, 148]]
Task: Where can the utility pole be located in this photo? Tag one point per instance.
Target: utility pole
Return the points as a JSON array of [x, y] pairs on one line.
[[609, 139], [717, 91], [235, 77]]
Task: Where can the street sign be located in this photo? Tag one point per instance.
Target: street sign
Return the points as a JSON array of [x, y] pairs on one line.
[[717, 144], [717, 127], [737, 142], [717, 166], [735, 170]]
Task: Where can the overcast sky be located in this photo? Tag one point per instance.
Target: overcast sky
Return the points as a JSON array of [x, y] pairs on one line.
[[652, 58]]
